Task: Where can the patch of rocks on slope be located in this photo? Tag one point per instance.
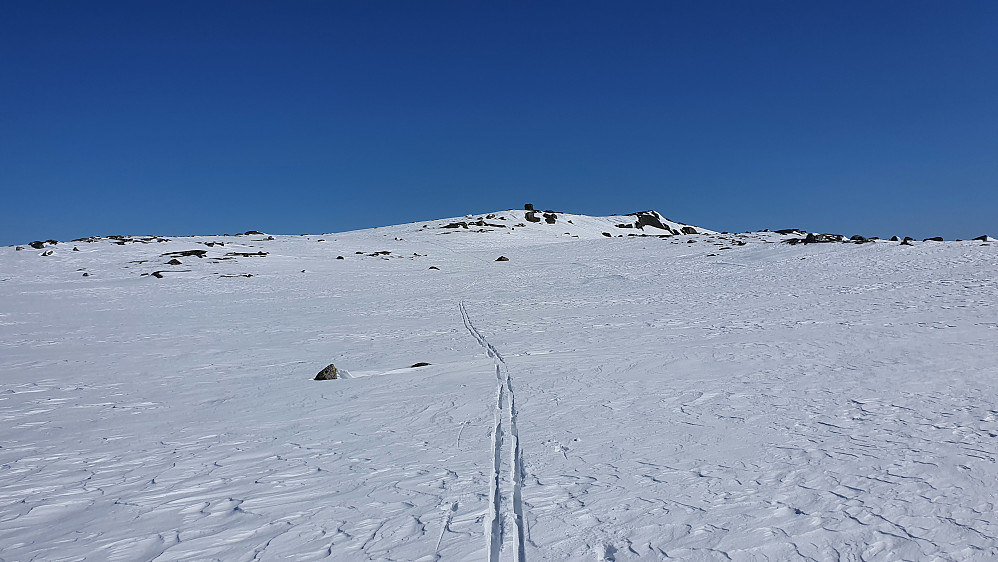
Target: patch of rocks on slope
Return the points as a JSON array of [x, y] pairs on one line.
[[653, 221], [802, 237]]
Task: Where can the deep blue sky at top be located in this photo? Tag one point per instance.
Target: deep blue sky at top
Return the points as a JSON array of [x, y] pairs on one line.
[[209, 117]]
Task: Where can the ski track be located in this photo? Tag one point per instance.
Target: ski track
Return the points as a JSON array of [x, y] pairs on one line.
[[506, 512]]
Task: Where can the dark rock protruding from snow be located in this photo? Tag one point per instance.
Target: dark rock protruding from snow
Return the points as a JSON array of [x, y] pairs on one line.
[[858, 239], [174, 261], [933, 239], [550, 218], [528, 207], [812, 238], [37, 244], [246, 254], [532, 216], [894, 238], [185, 253], [982, 238], [689, 230], [502, 258], [649, 218], [420, 364], [330, 373]]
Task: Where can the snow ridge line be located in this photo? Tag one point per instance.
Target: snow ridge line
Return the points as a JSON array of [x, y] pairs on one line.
[[501, 518]]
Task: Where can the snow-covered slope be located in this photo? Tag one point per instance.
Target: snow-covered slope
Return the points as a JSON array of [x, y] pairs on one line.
[[696, 397]]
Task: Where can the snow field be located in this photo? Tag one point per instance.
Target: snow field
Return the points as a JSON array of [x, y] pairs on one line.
[[643, 400]]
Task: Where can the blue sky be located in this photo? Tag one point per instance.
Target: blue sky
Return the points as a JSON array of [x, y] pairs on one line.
[[174, 118]]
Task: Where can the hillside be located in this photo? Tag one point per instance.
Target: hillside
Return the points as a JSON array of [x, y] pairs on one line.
[[697, 396]]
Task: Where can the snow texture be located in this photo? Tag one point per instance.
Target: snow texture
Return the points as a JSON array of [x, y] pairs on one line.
[[692, 397]]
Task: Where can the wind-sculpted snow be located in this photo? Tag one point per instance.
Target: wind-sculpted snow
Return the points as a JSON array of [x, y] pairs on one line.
[[672, 399]]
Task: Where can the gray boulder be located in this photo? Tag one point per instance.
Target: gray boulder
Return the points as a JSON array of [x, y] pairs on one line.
[[330, 373]]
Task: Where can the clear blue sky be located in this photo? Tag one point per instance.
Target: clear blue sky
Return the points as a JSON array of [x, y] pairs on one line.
[[206, 117]]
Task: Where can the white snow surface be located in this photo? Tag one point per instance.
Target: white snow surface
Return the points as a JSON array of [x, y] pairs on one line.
[[693, 397]]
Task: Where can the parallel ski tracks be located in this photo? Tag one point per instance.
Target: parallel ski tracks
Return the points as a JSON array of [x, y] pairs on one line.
[[504, 531]]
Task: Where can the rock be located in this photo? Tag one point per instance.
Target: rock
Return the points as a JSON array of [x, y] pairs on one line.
[[550, 218], [340, 257], [330, 373], [858, 239], [420, 364], [502, 258], [906, 242], [812, 238], [649, 218], [982, 238], [691, 241], [245, 254], [254, 233], [75, 249], [270, 238], [689, 230], [607, 234], [85, 274], [785, 231], [624, 225], [157, 274], [933, 239], [37, 244], [528, 207], [47, 253], [532, 216], [53, 242], [185, 253], [18, 248], [174, 261], [455, 225], [894, 238], [434, 267]]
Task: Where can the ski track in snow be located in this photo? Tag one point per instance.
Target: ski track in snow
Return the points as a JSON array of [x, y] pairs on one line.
[[505, 512]]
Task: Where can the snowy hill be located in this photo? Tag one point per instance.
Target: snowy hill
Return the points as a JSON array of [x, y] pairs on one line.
[[695, 396]]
